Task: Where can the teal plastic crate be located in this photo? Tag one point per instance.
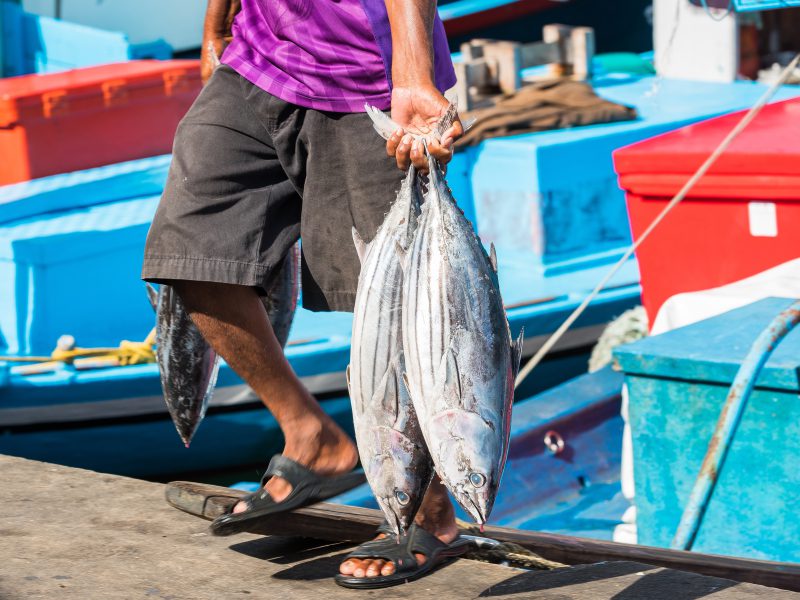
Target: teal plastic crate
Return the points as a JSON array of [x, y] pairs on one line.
[[677, 384]]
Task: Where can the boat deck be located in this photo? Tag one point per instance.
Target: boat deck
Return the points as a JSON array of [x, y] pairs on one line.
[[69, 533]]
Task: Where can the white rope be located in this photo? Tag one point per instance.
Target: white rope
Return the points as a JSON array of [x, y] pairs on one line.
[[751, 114]]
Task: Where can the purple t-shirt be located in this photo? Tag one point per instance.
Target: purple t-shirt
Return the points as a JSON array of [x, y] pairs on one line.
[[332, 55]]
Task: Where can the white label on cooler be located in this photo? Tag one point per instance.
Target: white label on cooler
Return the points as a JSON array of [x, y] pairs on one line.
[[763, 219]]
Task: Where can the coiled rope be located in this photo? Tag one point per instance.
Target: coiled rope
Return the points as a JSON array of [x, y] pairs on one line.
[[127, 353], [506, 553]]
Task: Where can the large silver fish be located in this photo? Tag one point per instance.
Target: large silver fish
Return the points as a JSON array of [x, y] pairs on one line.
[[186, 362], [390, 443], [460, 360]]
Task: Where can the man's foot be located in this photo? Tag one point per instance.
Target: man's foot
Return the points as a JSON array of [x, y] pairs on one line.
[[436, 516], [373, 567], [322, 447]]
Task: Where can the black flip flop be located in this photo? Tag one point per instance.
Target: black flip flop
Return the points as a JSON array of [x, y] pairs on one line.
[[401, 553], [307, 488]]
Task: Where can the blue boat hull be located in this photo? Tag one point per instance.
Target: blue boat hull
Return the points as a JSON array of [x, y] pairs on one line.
[[232, 437], [575, 492]]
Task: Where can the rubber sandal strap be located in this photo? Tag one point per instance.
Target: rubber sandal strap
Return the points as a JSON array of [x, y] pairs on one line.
[[288, 469], [422, 542], [417, 540], [389, 549], [307, 488], [377, 545]]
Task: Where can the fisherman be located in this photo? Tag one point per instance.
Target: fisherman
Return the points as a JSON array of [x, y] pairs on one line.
[[276, 147]]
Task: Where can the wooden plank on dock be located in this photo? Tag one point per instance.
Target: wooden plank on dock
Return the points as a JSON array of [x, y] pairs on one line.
[[69, 533], [348, 523]]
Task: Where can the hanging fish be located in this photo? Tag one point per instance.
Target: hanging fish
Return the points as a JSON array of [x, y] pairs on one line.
[[460, 359], [390, 442], [186, 362]]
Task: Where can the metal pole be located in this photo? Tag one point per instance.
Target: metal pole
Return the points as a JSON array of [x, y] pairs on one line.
[[728, 422]]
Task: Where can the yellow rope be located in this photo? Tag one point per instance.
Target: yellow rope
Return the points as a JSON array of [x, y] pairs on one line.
[[128, 353]]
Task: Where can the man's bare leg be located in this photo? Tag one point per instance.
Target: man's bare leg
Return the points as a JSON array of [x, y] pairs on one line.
[[436, 516], [233, 320]]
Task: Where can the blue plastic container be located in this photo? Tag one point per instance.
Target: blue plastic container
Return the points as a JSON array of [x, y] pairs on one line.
[[677, 384], [70, 255], [35, 44]]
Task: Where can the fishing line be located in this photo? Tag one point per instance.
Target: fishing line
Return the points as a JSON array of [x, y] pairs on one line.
[[751, 114]]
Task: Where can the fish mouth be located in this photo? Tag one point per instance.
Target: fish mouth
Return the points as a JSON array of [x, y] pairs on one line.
[[478, 514], [397, 525]]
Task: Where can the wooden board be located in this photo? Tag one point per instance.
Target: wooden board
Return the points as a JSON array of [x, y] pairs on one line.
[[336, 522], [69, 533]]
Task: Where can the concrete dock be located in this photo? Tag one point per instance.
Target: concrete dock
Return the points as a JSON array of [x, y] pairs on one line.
[[69, 533]]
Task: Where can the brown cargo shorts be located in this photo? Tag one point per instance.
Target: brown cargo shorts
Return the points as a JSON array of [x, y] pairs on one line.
[[251, 174]]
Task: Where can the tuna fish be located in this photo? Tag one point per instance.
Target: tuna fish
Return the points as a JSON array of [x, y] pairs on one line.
[[186, 362], [460, 359], [390, 442]]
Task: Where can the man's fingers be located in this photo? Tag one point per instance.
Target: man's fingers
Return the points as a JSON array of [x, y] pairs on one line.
[[441, 152], [418, 158], [393, 142], [403, 153]]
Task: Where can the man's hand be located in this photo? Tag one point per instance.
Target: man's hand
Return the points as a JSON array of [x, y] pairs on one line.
[[418, 110], [216, 33], [416, 103]]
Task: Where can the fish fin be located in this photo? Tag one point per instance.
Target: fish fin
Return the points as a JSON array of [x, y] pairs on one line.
[[385, 394], [447, 120], [467, 124], [452, 97], [361, 246], [493, 257], [516, 351], [402, 386], [452, 378], [391, 393], [152, 296], [381, 122], [413, 205], [212, 55], [406, 417], [404, 378], [401, 254]]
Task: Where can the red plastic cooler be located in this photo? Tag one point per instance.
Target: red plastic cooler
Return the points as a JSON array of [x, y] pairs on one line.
[[61, 122], [741, 218]]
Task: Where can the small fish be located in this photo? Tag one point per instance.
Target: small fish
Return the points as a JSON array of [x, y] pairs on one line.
[[393, 454], [186, 362], [212, 55], [460, 360]]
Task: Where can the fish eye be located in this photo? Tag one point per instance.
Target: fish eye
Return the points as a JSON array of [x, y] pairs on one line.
[[477, 479], [402, 497]]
